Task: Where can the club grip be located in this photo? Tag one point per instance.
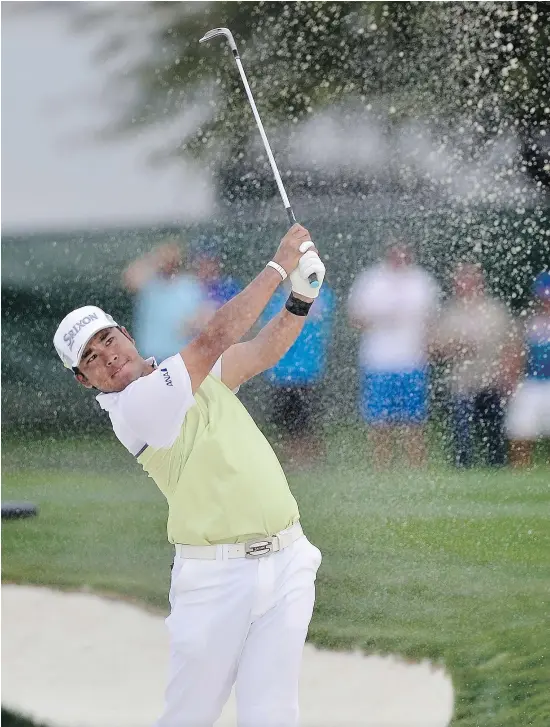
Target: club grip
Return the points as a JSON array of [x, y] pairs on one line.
[[313, 279]]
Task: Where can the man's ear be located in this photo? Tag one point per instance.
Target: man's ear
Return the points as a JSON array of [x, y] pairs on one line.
[[125, 332], [83, 380]]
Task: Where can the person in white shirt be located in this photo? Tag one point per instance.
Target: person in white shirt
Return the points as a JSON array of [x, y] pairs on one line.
[[393, 303], [243, 580]]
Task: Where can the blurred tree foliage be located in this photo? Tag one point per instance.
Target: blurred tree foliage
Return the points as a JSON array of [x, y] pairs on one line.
[[482, 65]]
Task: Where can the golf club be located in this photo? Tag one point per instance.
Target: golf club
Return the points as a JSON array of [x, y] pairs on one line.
[[313, 281]]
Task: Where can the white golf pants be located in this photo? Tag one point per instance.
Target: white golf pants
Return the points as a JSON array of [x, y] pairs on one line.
[[242, 622]]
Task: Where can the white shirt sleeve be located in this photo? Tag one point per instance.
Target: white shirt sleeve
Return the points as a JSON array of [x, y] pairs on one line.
[[217, 369], [217, 372], [154, 406]]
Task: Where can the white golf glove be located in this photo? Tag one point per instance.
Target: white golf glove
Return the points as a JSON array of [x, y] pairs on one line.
[[310, 262]]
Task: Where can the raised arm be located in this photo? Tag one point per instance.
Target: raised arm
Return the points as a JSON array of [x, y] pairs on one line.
[[233, 320], [140, 271], [244, 360]]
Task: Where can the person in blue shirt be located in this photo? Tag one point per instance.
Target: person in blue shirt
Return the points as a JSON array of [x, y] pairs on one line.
[[295, 380], [528, 416], [170, 306]]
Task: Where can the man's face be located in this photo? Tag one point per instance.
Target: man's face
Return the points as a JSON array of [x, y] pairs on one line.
[[110, 361], [170, 259]]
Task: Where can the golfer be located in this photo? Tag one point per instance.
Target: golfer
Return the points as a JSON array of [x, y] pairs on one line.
[[242, 588]]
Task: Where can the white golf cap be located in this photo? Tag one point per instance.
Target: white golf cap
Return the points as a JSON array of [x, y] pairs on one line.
[[76, 329]]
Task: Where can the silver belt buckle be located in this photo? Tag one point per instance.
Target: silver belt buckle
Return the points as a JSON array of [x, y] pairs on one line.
[[258, 548]]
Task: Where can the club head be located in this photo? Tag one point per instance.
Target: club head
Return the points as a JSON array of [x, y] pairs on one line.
[[220, 31]]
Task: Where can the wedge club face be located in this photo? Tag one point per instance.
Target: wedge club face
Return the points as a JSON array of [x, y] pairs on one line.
[[215, 32]]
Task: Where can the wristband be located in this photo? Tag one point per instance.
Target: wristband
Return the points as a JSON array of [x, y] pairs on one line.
[[296, 306], [278, 268]]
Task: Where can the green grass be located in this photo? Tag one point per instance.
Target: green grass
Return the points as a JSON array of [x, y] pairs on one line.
[[447, 565]]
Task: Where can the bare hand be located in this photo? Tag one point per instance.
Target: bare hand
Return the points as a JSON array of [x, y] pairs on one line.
[[288, 255]]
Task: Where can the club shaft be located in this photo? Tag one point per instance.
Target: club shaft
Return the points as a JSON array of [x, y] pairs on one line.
[[291, 216], [269, 153]]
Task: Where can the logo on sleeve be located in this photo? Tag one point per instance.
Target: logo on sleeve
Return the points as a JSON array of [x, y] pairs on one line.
[[167, 379]]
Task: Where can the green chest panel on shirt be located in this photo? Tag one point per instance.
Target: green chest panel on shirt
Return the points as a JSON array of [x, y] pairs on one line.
[[221, 478]]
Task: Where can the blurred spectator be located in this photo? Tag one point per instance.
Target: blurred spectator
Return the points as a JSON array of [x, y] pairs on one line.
[[296, 379], [392, 303], [528, 416], [170, 305], [219, 288], [475, 335]]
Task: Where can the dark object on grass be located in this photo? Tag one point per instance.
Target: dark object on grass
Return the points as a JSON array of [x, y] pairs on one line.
[[16, 510]]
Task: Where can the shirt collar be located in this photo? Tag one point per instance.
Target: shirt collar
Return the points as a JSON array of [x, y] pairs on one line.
[[106, 401]]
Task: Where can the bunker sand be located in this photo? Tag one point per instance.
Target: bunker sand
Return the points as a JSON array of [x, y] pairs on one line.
[[80, 660]]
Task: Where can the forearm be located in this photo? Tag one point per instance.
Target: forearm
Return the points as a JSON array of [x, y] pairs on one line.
[[138, 273], [234, 319], [275, 338], [511, 365]]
